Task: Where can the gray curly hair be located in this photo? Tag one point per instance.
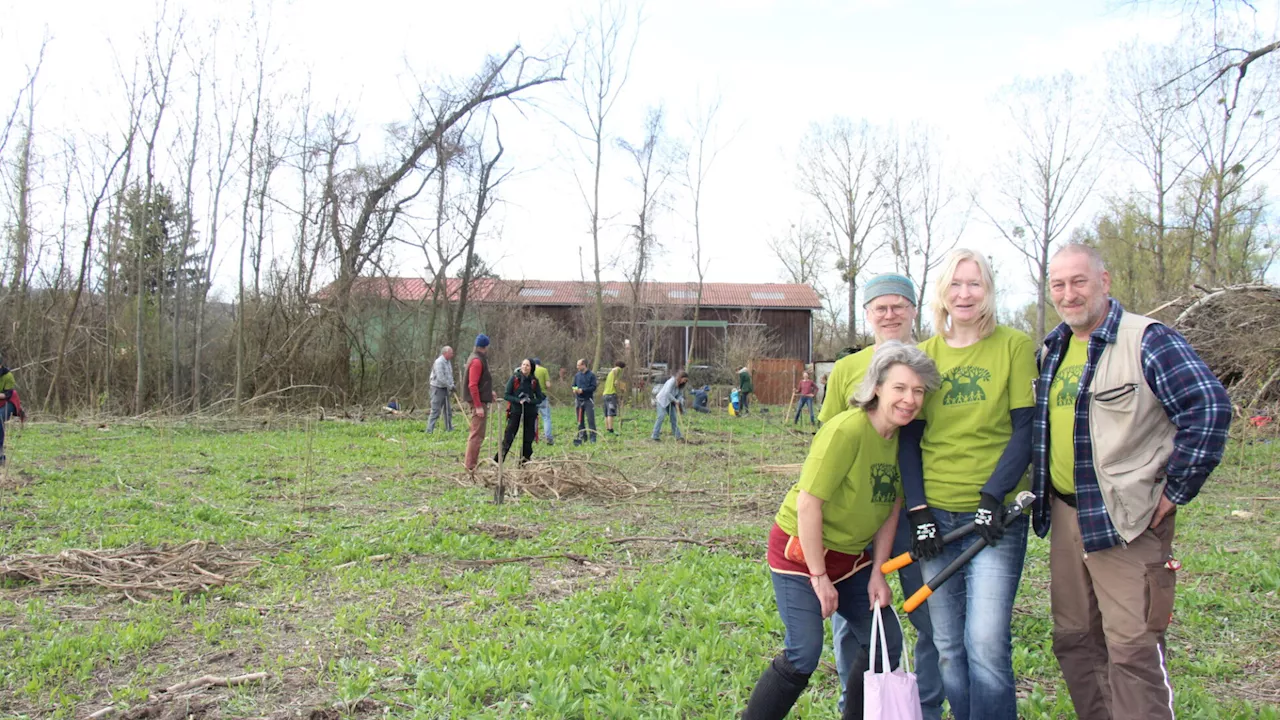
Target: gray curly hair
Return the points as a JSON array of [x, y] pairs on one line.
[[886, 356]]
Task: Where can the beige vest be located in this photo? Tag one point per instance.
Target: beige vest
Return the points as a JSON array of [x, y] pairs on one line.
[[1131, 435]]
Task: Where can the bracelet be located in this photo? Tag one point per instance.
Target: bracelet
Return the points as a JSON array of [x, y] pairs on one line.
[[815, 577]]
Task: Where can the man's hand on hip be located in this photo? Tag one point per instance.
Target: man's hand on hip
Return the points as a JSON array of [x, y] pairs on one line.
[[1165, 507]]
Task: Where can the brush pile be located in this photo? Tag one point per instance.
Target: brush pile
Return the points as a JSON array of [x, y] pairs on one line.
[[137, 572], [1236, 330]]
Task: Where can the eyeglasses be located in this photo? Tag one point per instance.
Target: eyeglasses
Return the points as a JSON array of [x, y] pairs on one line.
[[882, 310]]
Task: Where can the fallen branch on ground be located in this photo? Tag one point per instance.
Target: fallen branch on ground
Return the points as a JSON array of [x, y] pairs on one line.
[[644, 538], [371, 559], [214, 681]]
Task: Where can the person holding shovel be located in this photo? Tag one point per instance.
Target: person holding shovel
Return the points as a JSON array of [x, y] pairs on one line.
[[523, 394], [975, 450], [1129, 424], [848, 496]]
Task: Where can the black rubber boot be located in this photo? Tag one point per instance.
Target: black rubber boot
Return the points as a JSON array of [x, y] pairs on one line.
[[776, 691], [853, 692]]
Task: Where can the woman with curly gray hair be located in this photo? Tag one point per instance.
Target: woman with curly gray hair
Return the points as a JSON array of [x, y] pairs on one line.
[[848, 495]]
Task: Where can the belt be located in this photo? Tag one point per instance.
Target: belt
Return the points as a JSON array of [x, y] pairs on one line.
[[1068, 498]]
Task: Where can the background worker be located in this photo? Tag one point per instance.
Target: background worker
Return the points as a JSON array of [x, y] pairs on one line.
[[479, 385], [610, 394], [889, 307], [745, 388], [806, 391], [669, 401], [584, 390], [544, 408], [523, 394], [441, 387], [10, 405]]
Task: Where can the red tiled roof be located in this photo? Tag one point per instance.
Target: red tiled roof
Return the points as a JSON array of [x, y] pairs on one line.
[[573, 292]]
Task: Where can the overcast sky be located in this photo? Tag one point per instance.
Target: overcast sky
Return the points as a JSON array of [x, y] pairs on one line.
[[778, 67]]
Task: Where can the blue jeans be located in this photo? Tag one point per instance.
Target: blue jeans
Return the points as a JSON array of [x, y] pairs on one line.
[[926, 656], [972, 615], [666, 412], [544, 411], [802, 615], [6, 411], [805, 400]]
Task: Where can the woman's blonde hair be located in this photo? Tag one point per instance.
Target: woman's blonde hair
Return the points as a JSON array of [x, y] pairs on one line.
[[986, 311]]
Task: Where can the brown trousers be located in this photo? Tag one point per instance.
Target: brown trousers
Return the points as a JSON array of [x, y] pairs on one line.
[[475, 438], [1110, 613]]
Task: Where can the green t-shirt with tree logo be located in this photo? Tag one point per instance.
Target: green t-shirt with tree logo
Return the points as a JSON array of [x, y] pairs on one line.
[[611, 382], [846, 376], [968, 423], [1062, 416], [855, 472]]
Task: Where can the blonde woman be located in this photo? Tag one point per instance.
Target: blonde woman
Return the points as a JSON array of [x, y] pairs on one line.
[[975, 450]]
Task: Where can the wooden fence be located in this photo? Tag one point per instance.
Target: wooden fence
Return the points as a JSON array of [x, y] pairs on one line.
[[775, 379]]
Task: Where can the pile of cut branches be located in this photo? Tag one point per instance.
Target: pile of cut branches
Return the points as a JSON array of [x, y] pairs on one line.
[[1236, 330], [195, 566], [560, 479]]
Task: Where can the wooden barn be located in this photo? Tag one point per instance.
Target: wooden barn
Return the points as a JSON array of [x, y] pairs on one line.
[[662, 312]]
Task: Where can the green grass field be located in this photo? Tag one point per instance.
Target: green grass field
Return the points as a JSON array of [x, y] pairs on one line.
[[370, 600]]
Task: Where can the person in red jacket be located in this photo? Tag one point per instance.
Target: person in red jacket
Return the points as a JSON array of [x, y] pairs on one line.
[[807, 391], [479, 394]]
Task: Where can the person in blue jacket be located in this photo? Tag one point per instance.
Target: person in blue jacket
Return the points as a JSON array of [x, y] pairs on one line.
[[584, 391]]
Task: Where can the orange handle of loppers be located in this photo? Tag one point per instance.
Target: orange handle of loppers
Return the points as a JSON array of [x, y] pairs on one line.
[[897, 563], [917, 599]]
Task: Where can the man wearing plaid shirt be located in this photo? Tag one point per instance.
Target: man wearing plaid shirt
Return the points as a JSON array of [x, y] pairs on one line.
[[1129, 423]]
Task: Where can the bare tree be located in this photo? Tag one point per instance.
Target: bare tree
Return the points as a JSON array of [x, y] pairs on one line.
[[91, 223], [801, 250], [25, 92], [161, 56], [840, 169], [369, 193], [484, 198], [652, 160], [699, 159], [1147, 126], [924, 222], [609, 39], [1046, 177], [1235, 128], [1226, 57], [226, 117]]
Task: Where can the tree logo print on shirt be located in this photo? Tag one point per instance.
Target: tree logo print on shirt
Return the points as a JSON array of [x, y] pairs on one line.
[[885, 482], [965, 387], [1068, 382]]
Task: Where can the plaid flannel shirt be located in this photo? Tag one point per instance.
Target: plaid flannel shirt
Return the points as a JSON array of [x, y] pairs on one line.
[[1191, 395]]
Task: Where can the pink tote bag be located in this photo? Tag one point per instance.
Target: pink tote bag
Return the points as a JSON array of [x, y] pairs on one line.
[[889, 695]]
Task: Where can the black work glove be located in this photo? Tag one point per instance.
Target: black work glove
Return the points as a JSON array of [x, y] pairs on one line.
[[988, 522], [926, 542]]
